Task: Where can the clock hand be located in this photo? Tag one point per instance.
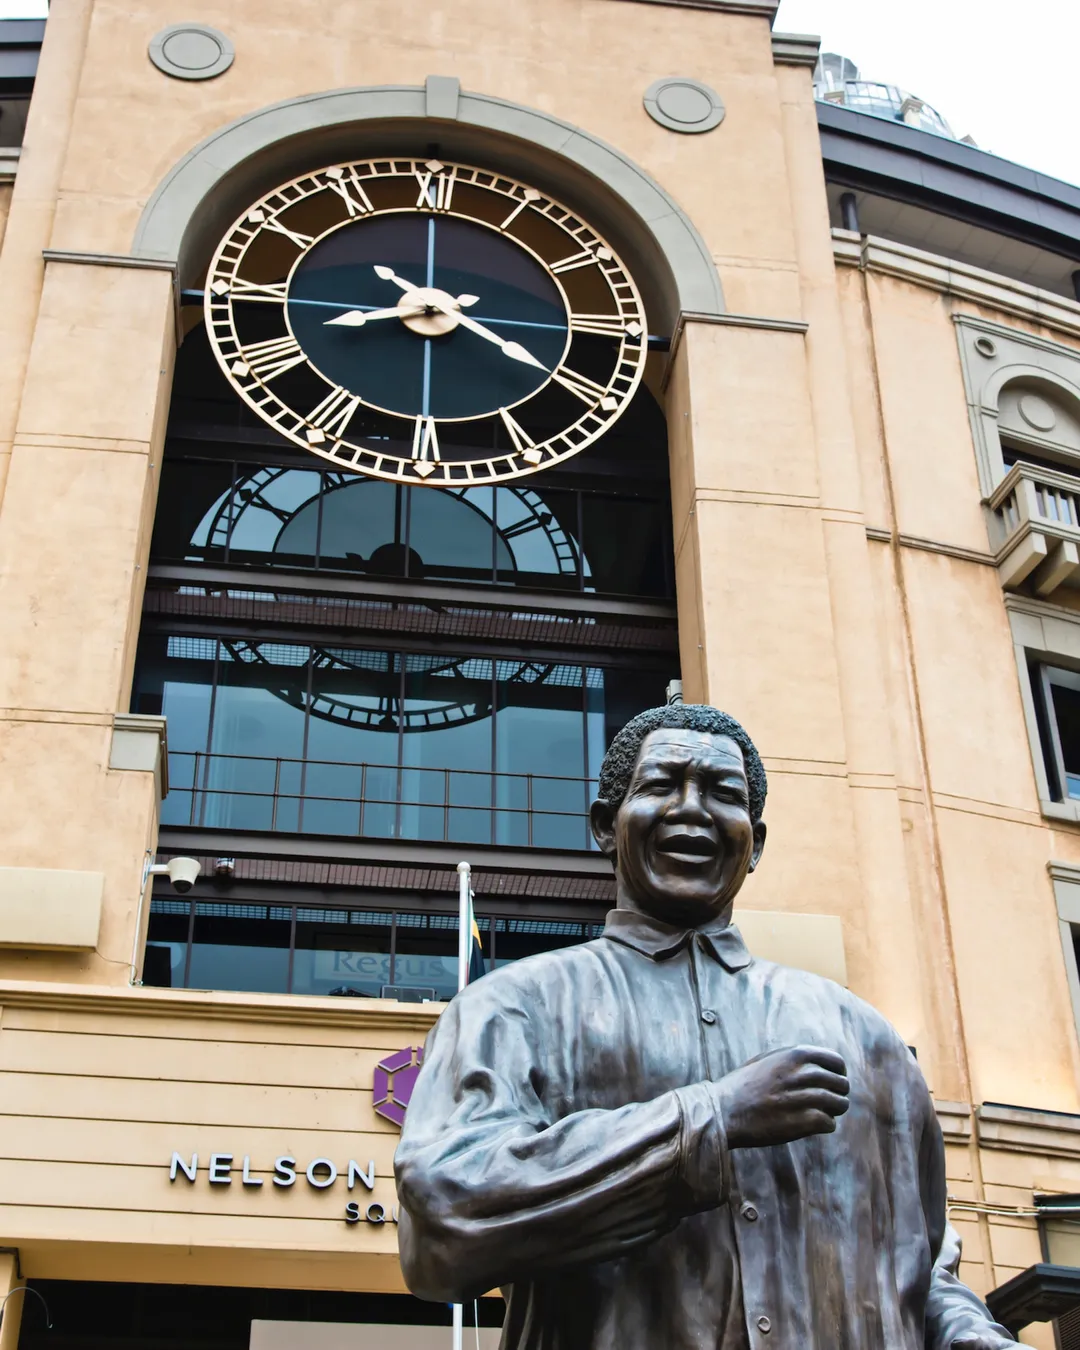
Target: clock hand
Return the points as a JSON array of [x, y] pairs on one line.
[[388, 274], [514, 350], [356, 318]]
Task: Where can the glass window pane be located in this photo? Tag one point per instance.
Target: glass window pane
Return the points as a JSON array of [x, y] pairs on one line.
[[426, 956], [275, 516], [175, 676], [627, 544], [537, 531], [341, 952], [352, 743], [258, 721], [540, 755], [243, 947], [515, 938], [166, 943], [198, 493], [450, 535], [446, 748], [363, 526], [1067, 713]]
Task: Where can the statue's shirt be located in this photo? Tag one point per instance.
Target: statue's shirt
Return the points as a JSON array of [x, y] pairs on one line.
[[564, 1141]]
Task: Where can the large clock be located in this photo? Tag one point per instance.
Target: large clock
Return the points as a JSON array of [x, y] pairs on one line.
[[425, 322]]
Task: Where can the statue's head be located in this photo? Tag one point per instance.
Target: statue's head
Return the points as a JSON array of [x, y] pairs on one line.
[[682, 790]]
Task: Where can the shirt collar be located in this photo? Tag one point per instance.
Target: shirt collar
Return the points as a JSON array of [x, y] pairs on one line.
[[660, 941]]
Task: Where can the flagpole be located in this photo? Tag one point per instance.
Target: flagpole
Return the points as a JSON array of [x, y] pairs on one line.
[[463, 949], [464, 932]]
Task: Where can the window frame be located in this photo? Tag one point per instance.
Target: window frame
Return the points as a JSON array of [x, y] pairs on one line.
[[1044, 635], [488, 920]]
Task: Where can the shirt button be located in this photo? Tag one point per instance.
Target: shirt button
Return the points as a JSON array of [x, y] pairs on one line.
[[708, 1016], [764, 1325], [749, 1213]]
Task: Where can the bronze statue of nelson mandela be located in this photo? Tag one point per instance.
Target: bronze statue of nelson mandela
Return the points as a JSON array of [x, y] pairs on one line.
[[656, 1142]]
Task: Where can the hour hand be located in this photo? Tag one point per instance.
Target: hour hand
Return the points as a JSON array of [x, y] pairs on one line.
[[356, 318]]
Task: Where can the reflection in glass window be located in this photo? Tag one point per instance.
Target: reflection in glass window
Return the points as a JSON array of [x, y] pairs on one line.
[[339, 952], [242, 947], [342, 952], [533, 535], [385, 744]]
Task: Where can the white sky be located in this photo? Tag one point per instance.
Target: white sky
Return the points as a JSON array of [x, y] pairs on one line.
[[1003, 71]]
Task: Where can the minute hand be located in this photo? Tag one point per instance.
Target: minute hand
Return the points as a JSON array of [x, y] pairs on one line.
[[514, 350]]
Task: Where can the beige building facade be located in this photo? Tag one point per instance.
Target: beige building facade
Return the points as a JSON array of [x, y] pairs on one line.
[[867, 419]]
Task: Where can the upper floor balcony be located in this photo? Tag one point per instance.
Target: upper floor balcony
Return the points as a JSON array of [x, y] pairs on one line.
[[1035, 528]]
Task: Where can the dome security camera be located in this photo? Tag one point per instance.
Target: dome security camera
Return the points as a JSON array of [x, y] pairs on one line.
[[182, 872]]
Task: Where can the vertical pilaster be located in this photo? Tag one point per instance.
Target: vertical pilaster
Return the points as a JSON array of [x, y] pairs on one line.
[[33, 203], [75, 526]]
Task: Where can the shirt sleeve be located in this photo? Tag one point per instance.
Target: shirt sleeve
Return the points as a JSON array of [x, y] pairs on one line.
[[495, 1185], [953, 1312]]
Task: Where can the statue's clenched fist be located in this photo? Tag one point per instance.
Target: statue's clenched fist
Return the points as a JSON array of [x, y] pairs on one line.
[[783, 1095]]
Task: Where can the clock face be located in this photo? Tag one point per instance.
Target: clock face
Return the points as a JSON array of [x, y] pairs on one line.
[[425, 322]]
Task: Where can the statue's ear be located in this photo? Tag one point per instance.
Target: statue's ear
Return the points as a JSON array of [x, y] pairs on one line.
[[759, 844], [602, 820]]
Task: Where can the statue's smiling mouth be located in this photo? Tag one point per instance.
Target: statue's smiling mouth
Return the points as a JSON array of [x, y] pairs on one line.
[[687, 846]]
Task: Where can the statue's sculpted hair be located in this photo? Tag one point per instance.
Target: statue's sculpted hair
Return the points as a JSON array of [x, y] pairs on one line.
[[623, 752]]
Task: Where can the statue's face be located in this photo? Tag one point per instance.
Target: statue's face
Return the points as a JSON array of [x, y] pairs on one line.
[[683, 838]]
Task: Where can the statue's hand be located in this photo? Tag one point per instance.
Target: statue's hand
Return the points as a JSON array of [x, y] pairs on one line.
[[784, 1095]]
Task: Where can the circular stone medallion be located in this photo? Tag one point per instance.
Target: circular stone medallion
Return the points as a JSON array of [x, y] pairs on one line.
[[684, 105], [191, 51], [1037, 413]]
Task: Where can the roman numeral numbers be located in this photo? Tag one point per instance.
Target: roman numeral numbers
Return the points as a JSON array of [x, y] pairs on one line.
[[425, 446], [579, 385], [523, 443], [349, 188], [238, 289], [528, 196], [332, 415], [259, 217], [267, 360], [604, 325], [436, 186]]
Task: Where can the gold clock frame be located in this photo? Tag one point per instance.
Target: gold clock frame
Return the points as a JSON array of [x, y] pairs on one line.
[[323, 429]]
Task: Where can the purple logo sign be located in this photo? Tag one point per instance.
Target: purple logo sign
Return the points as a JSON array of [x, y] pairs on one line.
[[395, 1078]]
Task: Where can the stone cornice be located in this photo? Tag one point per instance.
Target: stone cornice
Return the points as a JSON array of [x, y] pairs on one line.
[[1054, 1134], [60, 255], [359, 1014], [955, 1121], [769, 325], [765, 9], [874, 254], [795, 49]]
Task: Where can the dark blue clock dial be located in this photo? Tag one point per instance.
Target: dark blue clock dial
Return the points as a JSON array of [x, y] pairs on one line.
[[458, 374]]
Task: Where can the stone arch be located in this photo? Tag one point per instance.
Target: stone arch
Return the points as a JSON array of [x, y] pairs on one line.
[[205, 191], [1006, 401]]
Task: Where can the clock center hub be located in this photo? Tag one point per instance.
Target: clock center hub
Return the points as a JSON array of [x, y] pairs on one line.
[[433, 304]]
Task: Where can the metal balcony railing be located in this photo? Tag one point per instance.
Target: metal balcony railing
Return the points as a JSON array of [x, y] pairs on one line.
[[1035, 528], [381, 801]]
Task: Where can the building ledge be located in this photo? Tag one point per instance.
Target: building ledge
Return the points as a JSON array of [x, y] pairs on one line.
[[763, 9], [1054, 1134], [795, 49], [217, 1006], [872, 253], [1037, 1294], [955, 1121]]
